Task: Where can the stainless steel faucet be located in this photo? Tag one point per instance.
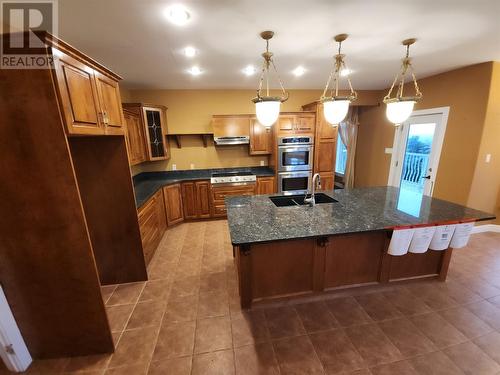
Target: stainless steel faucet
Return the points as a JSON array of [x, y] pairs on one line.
[[316, 180]]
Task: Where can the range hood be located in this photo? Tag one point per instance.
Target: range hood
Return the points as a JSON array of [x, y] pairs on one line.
[[231, 130], [232, 140]]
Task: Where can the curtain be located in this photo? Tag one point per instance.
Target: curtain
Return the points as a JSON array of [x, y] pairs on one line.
[[348, 131]]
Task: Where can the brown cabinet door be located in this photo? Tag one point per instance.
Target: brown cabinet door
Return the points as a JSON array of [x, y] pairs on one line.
[[260, 138], [219, 194], [327, 180], [155, 130], [265, 185], [203, 199], [287, 124], [305, 123], [135, 138], [172, 195], [189, 200], [160, 211], [78, 95], [110, 103], [230, 126], [150, 227]]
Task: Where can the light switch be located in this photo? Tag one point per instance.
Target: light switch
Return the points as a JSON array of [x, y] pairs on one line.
[[191, 166], [388, 150], [488, 158], [174, 167], [262, 163]]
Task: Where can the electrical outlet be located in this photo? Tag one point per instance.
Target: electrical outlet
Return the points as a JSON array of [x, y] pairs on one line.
[[174, 167], [488, 158], [191, 166], [262, 163], [388, 150]]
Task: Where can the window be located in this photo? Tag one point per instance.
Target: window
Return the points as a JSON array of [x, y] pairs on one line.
[[341, 158]]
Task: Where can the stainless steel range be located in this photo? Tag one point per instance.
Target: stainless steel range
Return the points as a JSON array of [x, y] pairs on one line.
[[233, 178]]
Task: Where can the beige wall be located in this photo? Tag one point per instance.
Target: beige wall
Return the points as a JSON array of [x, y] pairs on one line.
[[485, 190], [190, 111], [465, 91]]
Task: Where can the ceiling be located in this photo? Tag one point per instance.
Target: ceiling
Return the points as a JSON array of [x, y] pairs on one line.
[[134, 39]]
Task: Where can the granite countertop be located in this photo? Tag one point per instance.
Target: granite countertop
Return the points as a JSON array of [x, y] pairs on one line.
[[256, 219], [148, 183]]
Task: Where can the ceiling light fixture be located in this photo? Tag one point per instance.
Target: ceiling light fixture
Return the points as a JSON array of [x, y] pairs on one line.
[[345, 72], [177, 14], [267, 108], [190, 51], [400, 107], [195, 71], [299, 71], [249, 70], [335, 106]]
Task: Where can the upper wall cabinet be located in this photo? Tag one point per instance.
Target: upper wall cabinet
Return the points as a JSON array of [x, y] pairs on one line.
[[260, 138], [296, 123], [136, 144], [90, 99], [153, 120]]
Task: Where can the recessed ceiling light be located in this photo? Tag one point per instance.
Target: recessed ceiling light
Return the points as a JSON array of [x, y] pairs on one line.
[[190, 51], [195, 71], [249, 70], [345, 72], [177, 14], [298, 71]]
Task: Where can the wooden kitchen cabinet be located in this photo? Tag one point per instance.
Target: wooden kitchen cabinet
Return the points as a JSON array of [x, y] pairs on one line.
[[172, 195], [325, 147], [219, 193], [296, 123], [265, 185], [90, 99], [153, 120], [196, 199], [152, 224], [135, 138], [260, 138]]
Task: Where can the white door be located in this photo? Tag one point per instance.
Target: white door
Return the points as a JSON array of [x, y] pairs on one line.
[[417, 149]]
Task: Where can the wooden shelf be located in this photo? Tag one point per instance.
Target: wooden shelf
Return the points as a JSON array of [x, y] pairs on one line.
[[204, 137]]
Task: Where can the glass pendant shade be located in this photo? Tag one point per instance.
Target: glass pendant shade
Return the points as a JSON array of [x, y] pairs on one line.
[[268, 112], [335, 111], [399, 111]]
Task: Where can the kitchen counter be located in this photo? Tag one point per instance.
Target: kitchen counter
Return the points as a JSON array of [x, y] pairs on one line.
[[256, 219], [148, 183]]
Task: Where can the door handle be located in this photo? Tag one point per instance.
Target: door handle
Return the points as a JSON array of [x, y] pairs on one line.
[[427, 177]]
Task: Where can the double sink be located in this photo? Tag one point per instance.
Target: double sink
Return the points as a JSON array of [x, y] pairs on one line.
[[298, 200]]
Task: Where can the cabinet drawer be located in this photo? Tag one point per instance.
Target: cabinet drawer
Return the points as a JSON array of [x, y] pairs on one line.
[[228, 191]]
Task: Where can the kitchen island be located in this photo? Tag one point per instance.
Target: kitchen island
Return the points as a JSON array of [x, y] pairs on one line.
[[302, 250]]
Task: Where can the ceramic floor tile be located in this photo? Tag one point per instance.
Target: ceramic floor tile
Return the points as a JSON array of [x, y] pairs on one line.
[[174, 366], [407, 338], [134, 347], [213, 334], [378, 307], [372, 344], [136, 369], [88, 363], [487, 312], [296, 355], [283, 322], [466, 322], [125, 294], [213, 282], [256, 359], [490, 344], [47, 366], [185, 286], [436, 363], [118, 316], [182, 309], [147, 314], [336, 352], [107, 291], [213, 304], [175, 340], [316, 317], [215, 363], [471, 359], [438, 330], [406, 302], [395, 368], [347, 311], [249, 328], [155, 290]]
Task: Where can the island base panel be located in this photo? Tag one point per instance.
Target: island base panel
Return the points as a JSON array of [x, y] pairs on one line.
[[299, 267]]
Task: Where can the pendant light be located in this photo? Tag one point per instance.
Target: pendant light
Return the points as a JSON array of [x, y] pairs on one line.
[[400, 107], [335, 106], [267, 108]]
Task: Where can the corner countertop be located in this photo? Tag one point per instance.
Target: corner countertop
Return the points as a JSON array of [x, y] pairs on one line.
[[254, 219], [146, 184]]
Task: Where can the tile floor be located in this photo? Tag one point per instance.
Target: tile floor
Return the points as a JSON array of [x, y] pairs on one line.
[[186, 320]]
